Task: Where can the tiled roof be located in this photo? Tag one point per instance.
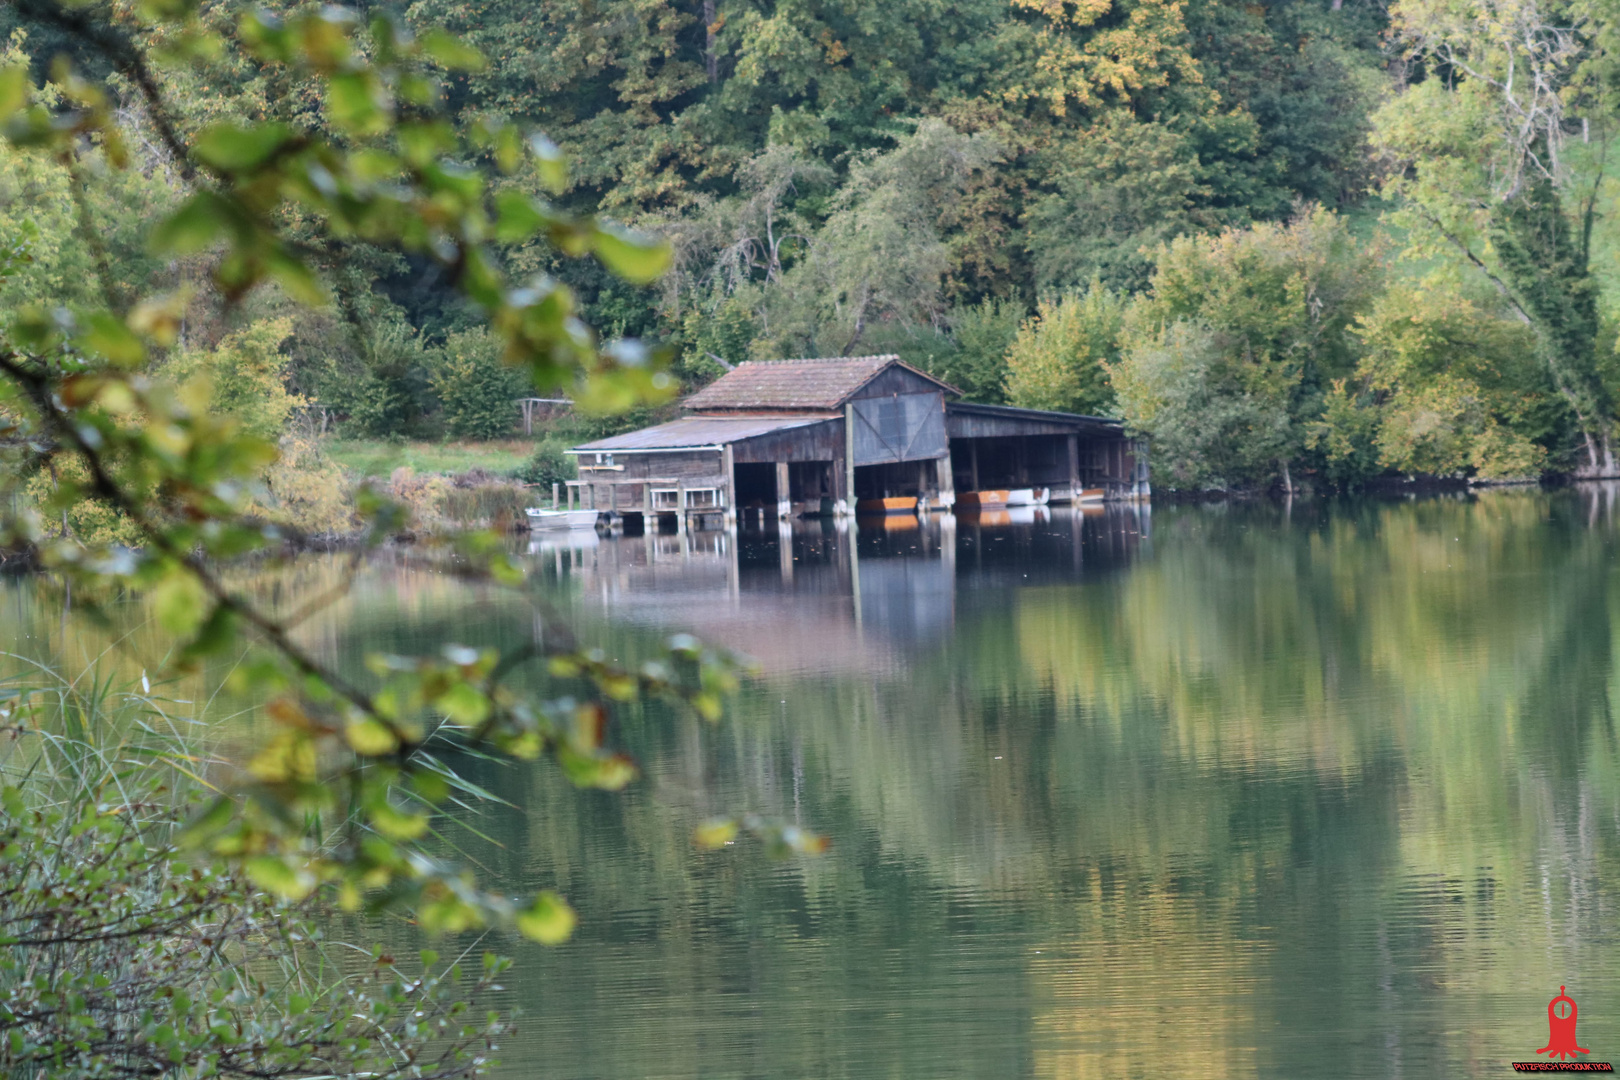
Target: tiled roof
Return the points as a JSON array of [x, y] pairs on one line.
[[797, 384], [695, 432]]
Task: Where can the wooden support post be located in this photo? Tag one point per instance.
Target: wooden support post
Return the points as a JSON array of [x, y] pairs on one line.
[[728, 483], [1074, 469], [555, 489], [571, 490], [784, 492], [649, 521], [849, 458], [946, 481], [680, 506]]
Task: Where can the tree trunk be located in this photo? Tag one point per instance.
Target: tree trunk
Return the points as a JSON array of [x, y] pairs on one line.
[[1546, 265]]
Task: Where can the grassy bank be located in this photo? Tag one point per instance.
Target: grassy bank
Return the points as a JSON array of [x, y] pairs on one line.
[[380, 457]]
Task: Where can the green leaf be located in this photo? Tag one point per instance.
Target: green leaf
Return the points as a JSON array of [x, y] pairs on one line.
[[200, 221], [716, 833], [431, 786], [608, 772], [216, 636], [273, 873], [265, 35], [209, 824], [464, 704], [371, 738], [451, 53], [13, 90], [517, 217], [355, 103], [550, 921], [395, 823], [636, 257], [107, 336], [180, 603], [287, 758], [236, 149], [291, 273], [548, 160]]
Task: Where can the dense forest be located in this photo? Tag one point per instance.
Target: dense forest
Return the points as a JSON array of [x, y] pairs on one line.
[[1298, 242]]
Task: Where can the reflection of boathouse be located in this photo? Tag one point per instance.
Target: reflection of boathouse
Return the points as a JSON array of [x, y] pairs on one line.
[[823, 595], [825, 436]]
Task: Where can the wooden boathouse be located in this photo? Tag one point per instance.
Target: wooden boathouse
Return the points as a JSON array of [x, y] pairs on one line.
[[804, 437]]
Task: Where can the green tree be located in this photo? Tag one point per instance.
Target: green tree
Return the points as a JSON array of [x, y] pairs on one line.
[[1278, 302], [975, 361], [385, 387], [1122, 188], [1459, 385], [244, 377], [1209, 430], [477, 393], [1062, 353], [1484, 171], [880, 255]]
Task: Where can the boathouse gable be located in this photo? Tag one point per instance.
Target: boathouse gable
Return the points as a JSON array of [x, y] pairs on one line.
[[775, 386]]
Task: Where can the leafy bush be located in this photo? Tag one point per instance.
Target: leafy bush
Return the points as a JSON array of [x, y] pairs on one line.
[[548, 465], [1229, 362], [1208, 430], [245, 377], [981, 337], [387, 393], [1059, 358], [1462, 386], [477, 392], [307, 490]]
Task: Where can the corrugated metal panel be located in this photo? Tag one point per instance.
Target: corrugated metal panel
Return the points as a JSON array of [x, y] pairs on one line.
[[695, 431], [906, 427]]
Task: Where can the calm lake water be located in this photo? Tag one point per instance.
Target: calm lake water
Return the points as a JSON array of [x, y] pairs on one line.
[[1328, 789]]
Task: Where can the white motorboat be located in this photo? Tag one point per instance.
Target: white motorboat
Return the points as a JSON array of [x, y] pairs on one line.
[[1029, 496], [995, 497], [561, 519]]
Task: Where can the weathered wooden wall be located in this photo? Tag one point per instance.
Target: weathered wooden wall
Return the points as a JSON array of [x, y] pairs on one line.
[[813, 442]]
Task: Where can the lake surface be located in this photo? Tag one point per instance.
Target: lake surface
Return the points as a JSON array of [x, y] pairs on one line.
[[1321, 789]]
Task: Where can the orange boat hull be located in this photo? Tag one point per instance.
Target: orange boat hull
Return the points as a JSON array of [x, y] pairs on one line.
[[898, 504], [982, 498]]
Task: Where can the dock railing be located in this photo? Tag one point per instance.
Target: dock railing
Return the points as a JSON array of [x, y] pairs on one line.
[[658, 495]]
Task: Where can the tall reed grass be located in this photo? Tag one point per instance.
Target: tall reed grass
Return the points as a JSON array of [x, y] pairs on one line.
[[122, 956]]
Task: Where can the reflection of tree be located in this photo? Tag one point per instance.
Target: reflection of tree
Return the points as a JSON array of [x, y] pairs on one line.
[[1304, 787]]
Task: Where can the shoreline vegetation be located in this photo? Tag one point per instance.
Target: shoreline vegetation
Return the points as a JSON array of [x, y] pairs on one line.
[[313, 493]]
